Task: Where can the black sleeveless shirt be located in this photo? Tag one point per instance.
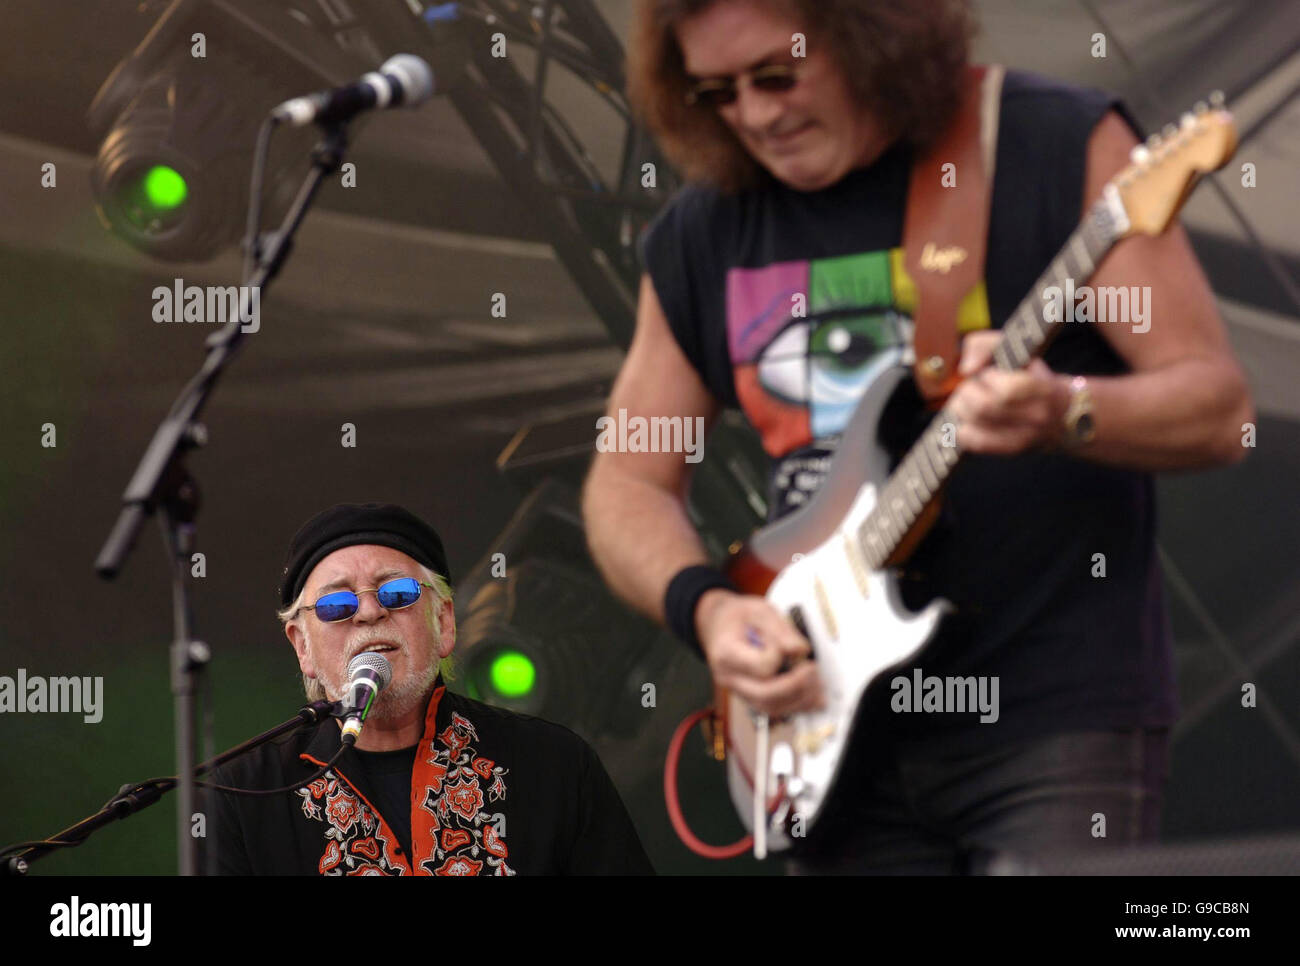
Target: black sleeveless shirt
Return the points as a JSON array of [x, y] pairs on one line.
[[1017, 543]]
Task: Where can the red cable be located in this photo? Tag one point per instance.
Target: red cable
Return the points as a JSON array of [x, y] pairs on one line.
[[674, 806]]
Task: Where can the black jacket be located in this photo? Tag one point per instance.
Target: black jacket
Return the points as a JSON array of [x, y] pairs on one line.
[[492, 793]]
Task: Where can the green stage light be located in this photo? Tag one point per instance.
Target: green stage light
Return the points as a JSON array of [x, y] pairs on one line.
[[513, 674], [164, 187]]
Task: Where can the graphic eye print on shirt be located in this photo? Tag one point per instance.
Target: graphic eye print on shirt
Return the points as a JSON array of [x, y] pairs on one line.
[[799, 378]]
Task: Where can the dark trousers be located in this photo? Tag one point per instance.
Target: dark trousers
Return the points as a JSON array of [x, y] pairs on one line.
[[936, 813]]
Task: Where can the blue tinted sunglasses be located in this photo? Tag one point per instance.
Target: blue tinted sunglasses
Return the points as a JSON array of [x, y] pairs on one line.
[[342, 604]]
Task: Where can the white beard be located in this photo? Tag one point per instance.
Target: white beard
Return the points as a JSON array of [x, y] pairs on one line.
[[397, 700], [403, 697]]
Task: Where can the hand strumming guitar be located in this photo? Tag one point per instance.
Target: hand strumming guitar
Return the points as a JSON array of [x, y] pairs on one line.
[[748, 642]]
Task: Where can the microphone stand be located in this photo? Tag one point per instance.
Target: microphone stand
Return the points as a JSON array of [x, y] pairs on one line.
[[133, 798], [162, 480]]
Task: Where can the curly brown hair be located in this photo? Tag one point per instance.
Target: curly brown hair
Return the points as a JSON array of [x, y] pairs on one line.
[[903, 60]]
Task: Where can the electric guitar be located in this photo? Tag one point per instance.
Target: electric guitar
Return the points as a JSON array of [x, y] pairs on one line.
[[828, 565]]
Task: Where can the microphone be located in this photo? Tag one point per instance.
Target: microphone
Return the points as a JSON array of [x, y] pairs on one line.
[[403, 79], [368, 674]]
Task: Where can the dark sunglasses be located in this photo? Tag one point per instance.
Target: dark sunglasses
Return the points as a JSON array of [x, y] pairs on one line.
[[342, 604], [720, 91]]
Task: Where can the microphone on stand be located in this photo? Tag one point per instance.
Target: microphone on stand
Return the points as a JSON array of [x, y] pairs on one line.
[[403, 80], [368, 674]]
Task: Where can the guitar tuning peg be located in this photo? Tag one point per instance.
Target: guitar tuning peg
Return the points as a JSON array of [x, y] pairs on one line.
[[1188, 120], [1216, 98], [1201, 107], [1153, 142], [1140, 155], [1169, 130]]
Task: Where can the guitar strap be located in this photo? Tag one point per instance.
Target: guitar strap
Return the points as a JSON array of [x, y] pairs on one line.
[[946, 226]]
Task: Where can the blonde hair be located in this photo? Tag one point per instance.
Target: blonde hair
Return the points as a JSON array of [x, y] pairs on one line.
[[441, 592]]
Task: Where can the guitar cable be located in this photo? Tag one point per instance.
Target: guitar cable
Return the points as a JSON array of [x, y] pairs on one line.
[[673, 803]]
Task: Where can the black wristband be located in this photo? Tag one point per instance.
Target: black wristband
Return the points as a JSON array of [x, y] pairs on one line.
[[683, 596]]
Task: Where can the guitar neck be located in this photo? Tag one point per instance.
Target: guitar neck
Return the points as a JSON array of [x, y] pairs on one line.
[[926, 467]]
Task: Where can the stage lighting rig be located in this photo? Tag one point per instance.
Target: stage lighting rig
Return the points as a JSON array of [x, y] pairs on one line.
[[554, 118], [178, 116]]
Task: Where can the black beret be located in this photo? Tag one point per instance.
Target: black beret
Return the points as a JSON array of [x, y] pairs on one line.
[[349, 524]]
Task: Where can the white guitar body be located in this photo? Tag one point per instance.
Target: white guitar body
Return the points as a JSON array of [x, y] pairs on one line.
[[854, 617]]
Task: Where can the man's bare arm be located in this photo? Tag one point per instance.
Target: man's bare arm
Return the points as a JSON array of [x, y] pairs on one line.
[[634, 504], [1185, 401]]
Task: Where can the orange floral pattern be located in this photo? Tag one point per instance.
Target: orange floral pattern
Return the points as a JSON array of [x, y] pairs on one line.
[[356, 843], [472, 840], [466, 833]]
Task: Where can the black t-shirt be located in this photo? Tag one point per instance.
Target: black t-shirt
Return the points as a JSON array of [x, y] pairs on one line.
[[1015, 546], [487, 792], [387, 775]]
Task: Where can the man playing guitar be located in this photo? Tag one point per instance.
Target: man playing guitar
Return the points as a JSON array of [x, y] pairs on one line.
[[796, 122]]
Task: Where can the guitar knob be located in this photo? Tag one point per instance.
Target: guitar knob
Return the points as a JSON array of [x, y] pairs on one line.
[[1188, 120], [1140, 155], [1201, 108], [1216, 98]]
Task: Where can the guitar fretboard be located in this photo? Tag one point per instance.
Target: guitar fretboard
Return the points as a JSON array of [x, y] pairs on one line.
[[926, 467]]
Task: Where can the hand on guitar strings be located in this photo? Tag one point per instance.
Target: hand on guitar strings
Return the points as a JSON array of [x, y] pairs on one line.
[[754, 651], [1006, 412]]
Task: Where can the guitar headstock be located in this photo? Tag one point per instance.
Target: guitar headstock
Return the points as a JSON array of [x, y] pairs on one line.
[[1166, 168]]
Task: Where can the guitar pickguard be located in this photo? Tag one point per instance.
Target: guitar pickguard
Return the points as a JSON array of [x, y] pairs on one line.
[[858, 459], [854, 616]]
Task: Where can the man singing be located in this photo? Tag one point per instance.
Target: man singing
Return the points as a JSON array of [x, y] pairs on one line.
[[436, 784], [796, 123]]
